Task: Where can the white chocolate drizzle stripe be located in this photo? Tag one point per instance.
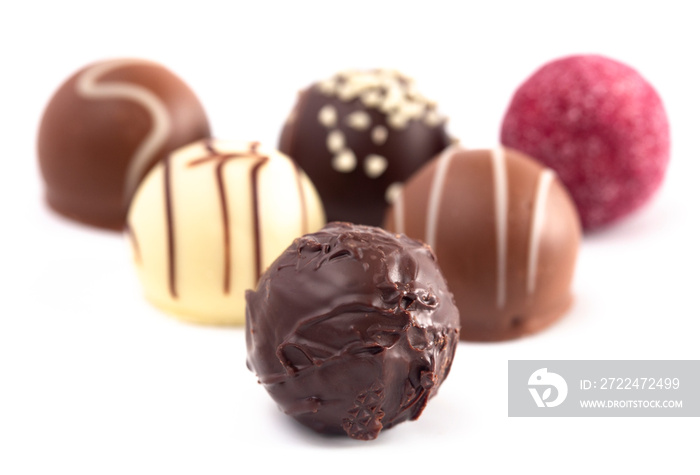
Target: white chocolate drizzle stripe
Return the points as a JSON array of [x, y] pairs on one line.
[[436, 191], [500, 188], [538, 215], [88, 86]]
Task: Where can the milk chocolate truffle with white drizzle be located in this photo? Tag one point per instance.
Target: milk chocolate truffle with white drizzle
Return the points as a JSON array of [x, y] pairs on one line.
[[208, 220], [104, 128], [359, 135], [506, 235]]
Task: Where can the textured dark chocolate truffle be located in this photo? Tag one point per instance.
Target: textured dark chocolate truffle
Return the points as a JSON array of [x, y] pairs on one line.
[[105, 128], [505, 232], [359, 135], [352, 330]]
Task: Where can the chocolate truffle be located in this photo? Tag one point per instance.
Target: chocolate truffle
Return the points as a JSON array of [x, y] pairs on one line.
[[505, 233], [352, 330], [600, 125], [207, 221], [105, 128], [359, 135]]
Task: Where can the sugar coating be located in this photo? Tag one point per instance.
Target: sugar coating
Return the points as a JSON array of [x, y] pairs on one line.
[[600, 125]]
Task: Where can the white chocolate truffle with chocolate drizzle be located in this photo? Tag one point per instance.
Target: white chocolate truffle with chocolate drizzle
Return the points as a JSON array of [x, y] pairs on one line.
[[209, 219], [359, 135], [505, 232]]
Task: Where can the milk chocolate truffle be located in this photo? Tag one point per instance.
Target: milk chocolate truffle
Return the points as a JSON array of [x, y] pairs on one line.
[[105, 128], [207, 221], [352, 330], [359, 135], [601, 126], [506, 235]]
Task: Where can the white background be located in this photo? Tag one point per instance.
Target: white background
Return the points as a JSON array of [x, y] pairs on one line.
[[94, 380]]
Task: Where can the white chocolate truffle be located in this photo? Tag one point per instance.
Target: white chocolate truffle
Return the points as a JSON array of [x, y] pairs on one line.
[[208, 220]]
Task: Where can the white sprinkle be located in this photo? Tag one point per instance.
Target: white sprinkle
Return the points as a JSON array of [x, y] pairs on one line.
[[433, 119], [327, 87], [379, 135], [375, 165], [335, 141], [393, 192], [359, 120], [412, 109], [398, 121], [344, 162], [371, 98], [392, 100], [346, 91], [327, 116]]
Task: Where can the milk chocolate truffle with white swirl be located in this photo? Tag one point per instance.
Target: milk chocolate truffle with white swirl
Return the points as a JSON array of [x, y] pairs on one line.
[[104, 128], [352, 330], [359, 135], [506, 235], [207, 221]]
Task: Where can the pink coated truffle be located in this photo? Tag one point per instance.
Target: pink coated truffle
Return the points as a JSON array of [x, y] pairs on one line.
[[600, 125]]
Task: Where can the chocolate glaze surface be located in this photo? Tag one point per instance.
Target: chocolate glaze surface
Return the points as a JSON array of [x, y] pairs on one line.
[[352, 330], [105, 128], [506, 235], [360, 134]]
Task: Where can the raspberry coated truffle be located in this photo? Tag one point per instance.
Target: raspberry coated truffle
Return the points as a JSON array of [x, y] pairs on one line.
[[105, 128], [352, 330], [505, 233], [600, 125], [358, 135]]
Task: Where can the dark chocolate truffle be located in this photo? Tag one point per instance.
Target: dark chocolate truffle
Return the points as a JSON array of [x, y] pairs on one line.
[[105, 128], [352, 330], [601, 126], [358, 135], [506, 235]]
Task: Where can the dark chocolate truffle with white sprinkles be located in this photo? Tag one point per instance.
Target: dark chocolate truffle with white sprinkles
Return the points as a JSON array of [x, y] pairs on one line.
[[352, 330], [359, 135]]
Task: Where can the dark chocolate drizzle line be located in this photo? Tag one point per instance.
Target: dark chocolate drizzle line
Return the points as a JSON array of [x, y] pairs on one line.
[[302, 200], [227, 233], [221, 159], [170, 222], [256, 214]]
